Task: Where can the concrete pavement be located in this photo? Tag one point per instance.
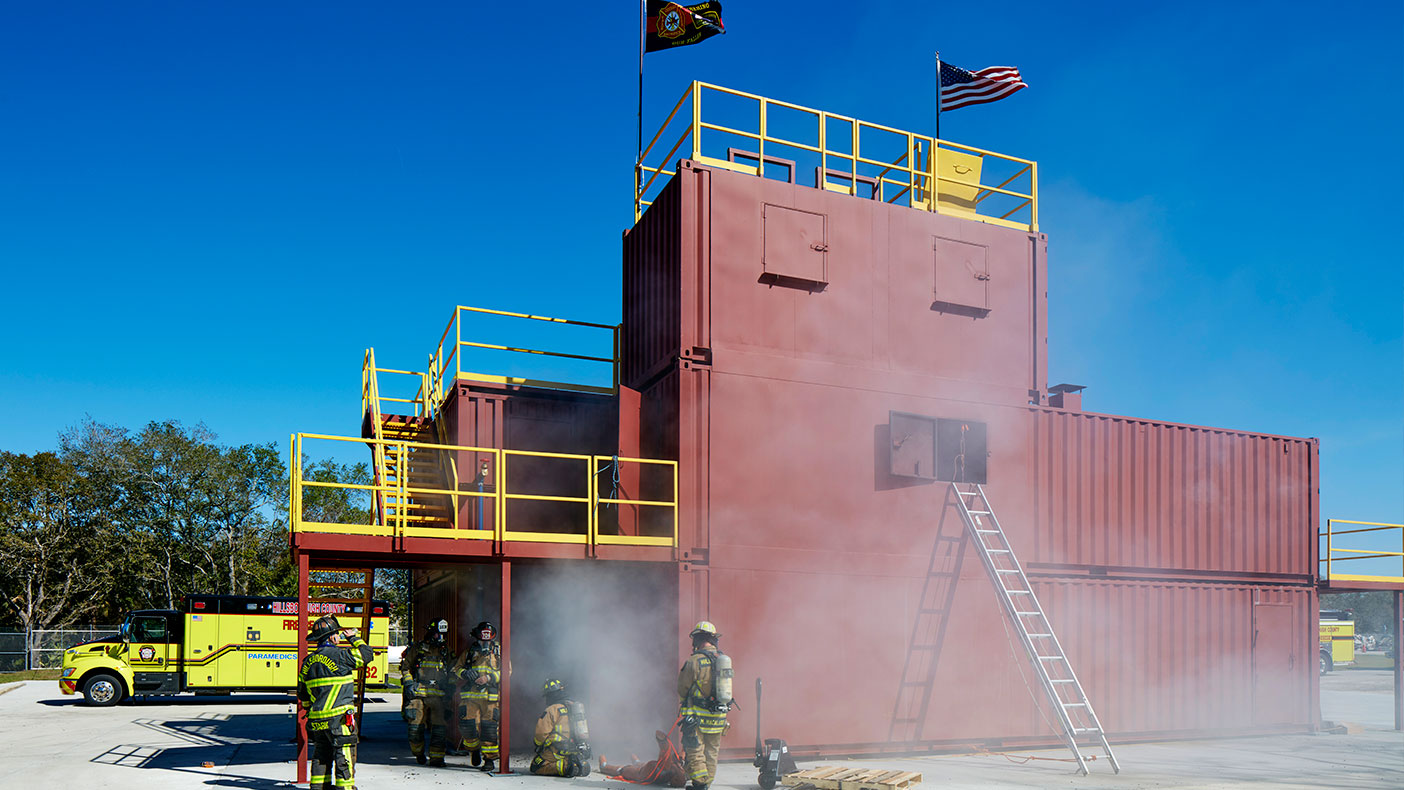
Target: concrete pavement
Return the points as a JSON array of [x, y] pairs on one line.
[[243, 742]]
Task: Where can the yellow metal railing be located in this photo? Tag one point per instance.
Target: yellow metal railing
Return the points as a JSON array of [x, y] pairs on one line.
[[394, 501], [372, 402], [446, 360], [849, 155], [1335, 554]]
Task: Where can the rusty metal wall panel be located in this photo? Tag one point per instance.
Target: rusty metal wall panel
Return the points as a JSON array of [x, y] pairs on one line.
[[1119, 492], [652, 319]]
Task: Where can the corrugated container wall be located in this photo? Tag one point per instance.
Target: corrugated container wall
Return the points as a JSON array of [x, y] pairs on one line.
[[797, 349]]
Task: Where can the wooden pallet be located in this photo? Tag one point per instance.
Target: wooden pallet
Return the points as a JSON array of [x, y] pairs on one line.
[[828, 777]]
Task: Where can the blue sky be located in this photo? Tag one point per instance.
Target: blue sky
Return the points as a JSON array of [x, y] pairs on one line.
[[209, 210]]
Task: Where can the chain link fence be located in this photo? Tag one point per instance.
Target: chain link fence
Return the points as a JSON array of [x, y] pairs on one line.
[[43, 649]]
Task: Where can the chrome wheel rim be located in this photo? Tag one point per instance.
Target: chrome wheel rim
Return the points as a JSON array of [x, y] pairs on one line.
[[103, 691]]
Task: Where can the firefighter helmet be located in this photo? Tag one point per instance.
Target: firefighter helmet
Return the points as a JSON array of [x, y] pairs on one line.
[[484, 626], [323, 628], [705, 629], [436, 631], [553, 690]]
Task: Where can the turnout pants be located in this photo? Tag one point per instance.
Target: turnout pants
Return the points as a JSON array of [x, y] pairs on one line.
[[427, 718], [479, 725], [333, 754], [700, 751], [549, 762]]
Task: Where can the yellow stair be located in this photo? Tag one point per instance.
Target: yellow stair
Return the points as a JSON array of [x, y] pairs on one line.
[[426, 469]]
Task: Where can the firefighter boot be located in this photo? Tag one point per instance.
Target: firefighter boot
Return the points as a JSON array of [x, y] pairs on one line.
[[437, 762], [487, 765], [420, 758], [475, 757]]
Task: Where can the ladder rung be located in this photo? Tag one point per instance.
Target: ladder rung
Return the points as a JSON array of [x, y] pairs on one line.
[[979, 512], [1039, 636], [1051, 658], [1060, 681], [998, 551], [1028, 614], [1005, 570], [1085, 729], [1019, 592], [967, 493], [1075, 704], [987, 531]]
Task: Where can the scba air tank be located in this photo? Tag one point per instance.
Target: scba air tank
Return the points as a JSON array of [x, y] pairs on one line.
[[721, 681], [579, 729]]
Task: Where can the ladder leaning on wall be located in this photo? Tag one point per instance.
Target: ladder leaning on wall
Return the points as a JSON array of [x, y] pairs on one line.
[[1055, 673]]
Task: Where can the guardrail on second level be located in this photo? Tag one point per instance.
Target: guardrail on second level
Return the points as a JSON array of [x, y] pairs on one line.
[[514, 495], [1384, 563]]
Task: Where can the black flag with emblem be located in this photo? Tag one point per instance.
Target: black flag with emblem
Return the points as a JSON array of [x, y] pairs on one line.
[[674, 25]]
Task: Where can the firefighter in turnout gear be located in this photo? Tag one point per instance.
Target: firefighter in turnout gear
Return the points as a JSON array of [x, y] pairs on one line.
[[704, 697], [326, 690], [427, 688], [562, 735], [479, 669]]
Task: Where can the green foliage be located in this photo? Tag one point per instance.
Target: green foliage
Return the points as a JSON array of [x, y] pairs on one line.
[[1373, 610], [116, 521]]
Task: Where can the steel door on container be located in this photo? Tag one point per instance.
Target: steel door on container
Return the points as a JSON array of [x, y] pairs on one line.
[[1274, 664]]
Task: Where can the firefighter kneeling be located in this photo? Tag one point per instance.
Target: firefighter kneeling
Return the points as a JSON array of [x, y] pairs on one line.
[[562, 735], [704, 697], [326, 689], [424, 680]]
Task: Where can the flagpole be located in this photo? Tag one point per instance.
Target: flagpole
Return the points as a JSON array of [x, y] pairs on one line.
[[938, 100]]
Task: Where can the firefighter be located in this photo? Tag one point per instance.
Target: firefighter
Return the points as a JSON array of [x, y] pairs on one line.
[[479, 669], [704, 697], [562, 735], [427, 686], [326, 690]]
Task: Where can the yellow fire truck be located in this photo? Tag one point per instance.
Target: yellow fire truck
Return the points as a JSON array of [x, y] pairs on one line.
[[215, 644], [1337, 638]]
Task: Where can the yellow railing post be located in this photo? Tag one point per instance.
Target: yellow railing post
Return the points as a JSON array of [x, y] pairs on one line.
[[1033, 197], [760, 143], [292, 483], [592, 503], [696, 121], [1328, 548]]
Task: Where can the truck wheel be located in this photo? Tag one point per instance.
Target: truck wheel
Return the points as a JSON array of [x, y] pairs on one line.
[[1326, 663], [102, 691]]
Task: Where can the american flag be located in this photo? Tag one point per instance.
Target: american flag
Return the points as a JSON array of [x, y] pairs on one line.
[[961, 88]]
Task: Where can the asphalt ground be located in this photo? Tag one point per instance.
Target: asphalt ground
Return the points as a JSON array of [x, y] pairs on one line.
[[243, 741]]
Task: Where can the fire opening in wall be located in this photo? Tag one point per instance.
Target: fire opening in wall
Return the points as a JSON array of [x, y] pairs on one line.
[[936, 448]]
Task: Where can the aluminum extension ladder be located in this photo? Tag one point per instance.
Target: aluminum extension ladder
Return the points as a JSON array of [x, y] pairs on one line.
[[1050, 663]]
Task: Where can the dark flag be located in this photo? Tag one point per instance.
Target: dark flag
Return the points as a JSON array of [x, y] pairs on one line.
[[673, 25]]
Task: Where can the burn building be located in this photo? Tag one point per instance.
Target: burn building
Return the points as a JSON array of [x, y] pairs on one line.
[[826, 323]]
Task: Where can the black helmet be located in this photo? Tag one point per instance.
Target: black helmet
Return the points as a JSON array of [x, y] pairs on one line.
[[323, 628], [553, 690], [436, 631], [484, 626]]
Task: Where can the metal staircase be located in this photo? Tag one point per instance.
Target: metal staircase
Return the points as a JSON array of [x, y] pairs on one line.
[[1075, 714], [402, 464]]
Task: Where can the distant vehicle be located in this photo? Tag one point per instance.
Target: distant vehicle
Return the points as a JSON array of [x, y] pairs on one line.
[[214, 645], [1337, 630]]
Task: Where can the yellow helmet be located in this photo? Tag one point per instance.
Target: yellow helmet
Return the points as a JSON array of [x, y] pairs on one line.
[[704, 628]]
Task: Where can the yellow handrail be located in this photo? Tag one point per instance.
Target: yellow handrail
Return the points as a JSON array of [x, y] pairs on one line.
[[911, 178], [1361, 554], [446, 361], [392, 517]]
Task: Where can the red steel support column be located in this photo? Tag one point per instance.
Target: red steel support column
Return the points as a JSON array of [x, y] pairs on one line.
[[1398, 630], [303, 574], [504, 765]]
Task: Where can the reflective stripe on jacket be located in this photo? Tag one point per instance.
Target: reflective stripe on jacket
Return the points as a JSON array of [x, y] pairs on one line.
[[326, 681], [427, 665], [480, 660], [695, 691]]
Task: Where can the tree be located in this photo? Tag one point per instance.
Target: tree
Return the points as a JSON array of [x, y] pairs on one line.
[[47, 537]]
